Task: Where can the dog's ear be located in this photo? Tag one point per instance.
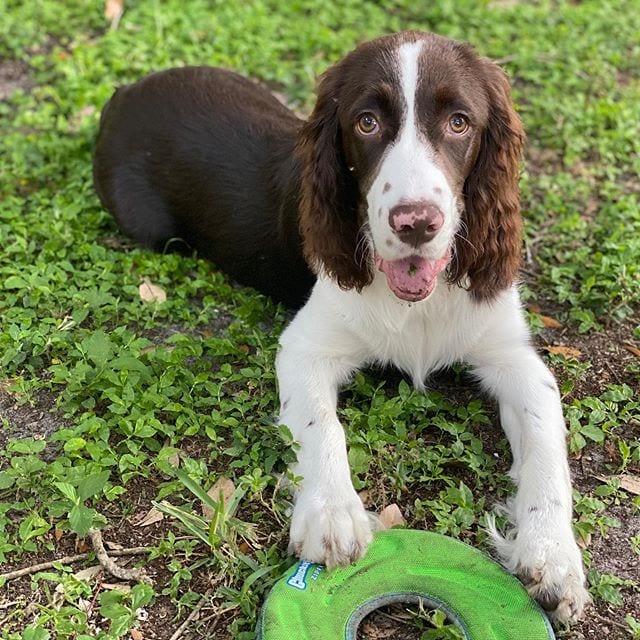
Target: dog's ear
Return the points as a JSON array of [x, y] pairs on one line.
[[489, 246], [329, 221]]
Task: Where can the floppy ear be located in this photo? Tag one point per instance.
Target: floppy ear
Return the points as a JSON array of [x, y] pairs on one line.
[[329, 221], [489, 251]]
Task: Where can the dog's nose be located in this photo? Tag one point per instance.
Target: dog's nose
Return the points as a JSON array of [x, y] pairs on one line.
[[416, 222]]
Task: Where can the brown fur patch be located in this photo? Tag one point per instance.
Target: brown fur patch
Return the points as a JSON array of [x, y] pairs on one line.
[[488, 248]]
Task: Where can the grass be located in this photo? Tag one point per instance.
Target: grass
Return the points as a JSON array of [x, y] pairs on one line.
[[103, 394]]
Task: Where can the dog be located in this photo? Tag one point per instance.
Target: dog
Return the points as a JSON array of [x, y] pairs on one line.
[[392, 218]]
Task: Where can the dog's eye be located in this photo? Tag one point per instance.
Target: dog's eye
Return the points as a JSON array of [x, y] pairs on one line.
[[458, 123], [367, 124]]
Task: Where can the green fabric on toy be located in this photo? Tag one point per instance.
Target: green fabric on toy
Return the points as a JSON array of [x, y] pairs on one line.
[[484, 601]]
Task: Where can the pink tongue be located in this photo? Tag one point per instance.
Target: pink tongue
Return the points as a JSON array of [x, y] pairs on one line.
[[412, 278]]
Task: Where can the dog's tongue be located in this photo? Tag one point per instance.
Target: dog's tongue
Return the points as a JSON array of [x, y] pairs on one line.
[[412, 278]]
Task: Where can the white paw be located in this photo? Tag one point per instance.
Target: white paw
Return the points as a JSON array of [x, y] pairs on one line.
[[550, 567], [559, 590], [329, 528]]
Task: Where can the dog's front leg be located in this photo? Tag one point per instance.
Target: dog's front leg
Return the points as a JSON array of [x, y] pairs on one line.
[[541, 547], [329, 524]]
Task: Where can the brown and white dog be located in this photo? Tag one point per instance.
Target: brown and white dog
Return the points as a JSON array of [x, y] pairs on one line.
[[401, 194]]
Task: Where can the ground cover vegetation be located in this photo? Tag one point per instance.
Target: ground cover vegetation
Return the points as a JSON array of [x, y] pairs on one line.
[[152, 421]]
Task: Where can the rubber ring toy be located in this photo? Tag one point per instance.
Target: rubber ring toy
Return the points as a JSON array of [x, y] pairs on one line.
[[403, 565]]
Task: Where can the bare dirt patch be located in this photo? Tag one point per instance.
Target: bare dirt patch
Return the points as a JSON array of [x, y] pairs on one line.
[[14, 75], [612, 554], [28, 419]]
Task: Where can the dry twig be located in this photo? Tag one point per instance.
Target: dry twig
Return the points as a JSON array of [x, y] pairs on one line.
[[604, 620], [110, 565], [43, 566], [180, 630]]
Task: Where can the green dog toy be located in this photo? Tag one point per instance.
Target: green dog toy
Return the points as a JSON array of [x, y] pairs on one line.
[[477, 594]]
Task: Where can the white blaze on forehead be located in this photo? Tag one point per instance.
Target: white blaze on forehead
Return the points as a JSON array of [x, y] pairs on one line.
[[409, 171], [408, 55]]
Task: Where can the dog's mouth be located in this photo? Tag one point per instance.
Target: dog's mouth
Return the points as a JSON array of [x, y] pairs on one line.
[[413, 278]]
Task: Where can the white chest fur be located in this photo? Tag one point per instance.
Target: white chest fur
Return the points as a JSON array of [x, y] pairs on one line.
[[418, 338]]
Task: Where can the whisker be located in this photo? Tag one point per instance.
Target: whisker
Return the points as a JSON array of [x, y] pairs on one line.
[[361, 252], [464, 236], [461, 233]]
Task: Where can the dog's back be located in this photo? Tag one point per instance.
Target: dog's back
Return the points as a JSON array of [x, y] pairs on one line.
[[205, 156]]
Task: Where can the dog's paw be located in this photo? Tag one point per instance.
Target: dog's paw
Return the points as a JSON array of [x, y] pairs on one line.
[[329, 529], [549, 567], [560, 590]]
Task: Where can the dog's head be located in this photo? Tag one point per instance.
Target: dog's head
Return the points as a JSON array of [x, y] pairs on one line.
[[410, 165]]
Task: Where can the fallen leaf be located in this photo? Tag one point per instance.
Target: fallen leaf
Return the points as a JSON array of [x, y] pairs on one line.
[[630, 483], [631, 349], [222, 486], [583, 541], [113, 10], [627, 482], [153, 515], [58, 594], [150, 292], [564, 351], [88, 574], [82, 546], [57, 534], [550, 323], [391, 516], [136, 634], [85, 605], [365, 497], [534, 308], [120, 586]]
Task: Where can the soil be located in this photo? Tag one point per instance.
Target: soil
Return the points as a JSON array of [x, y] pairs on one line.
[[610, 554], [609, 357], [33, 419], [14, 75]]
